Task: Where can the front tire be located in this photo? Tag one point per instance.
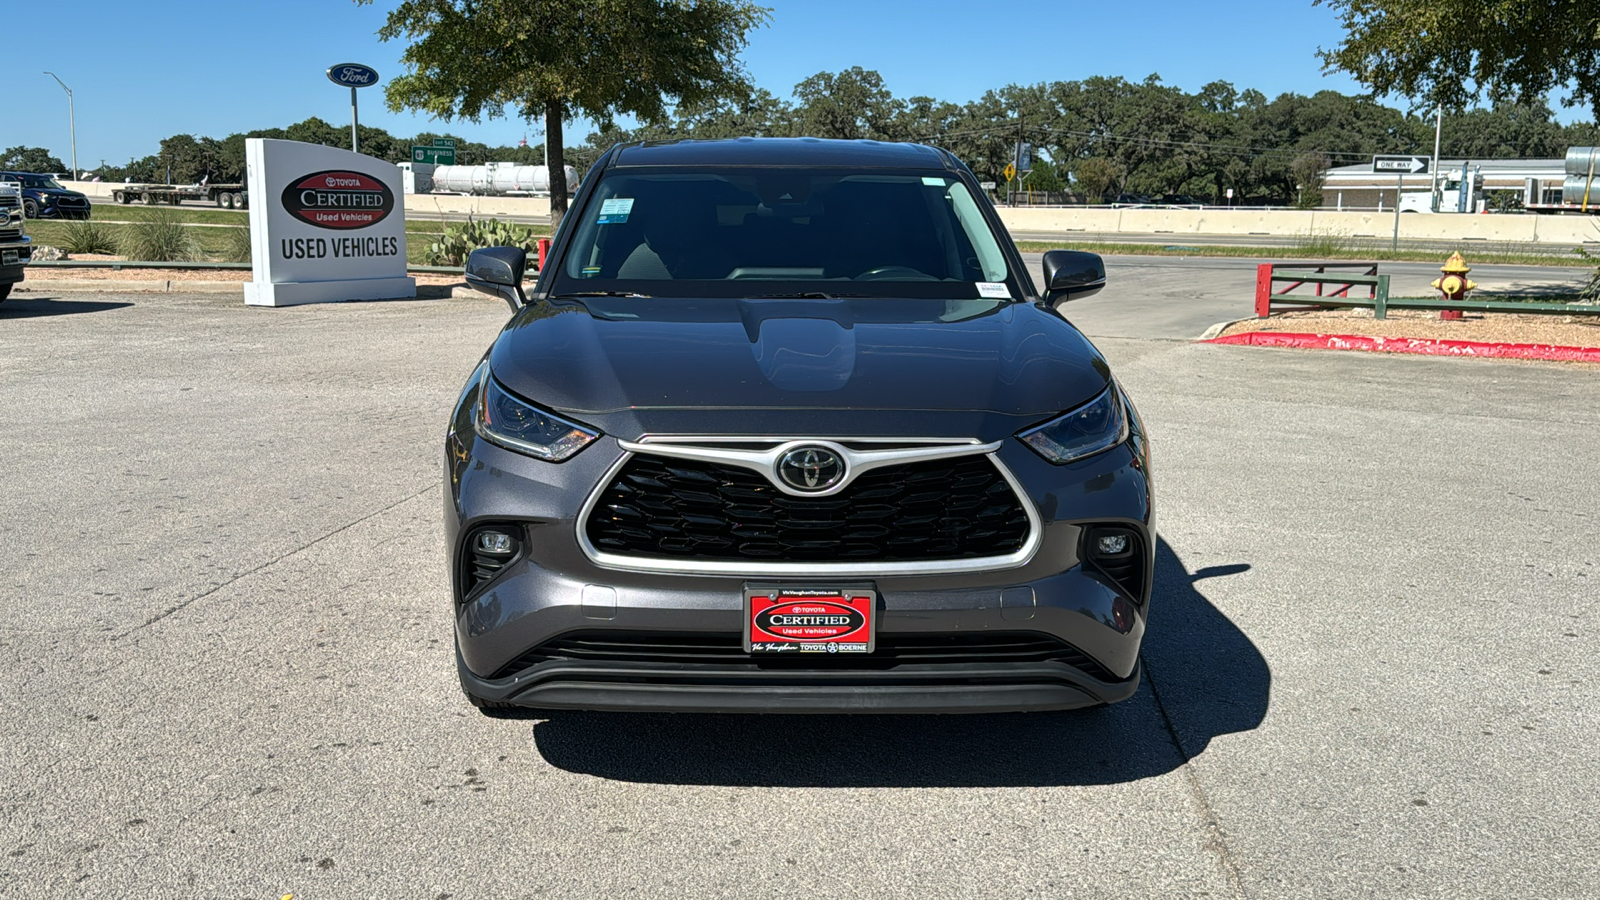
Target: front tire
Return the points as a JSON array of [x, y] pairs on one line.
[[5, 291], [30, 209]]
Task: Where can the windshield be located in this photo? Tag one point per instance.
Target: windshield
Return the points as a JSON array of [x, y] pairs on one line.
[[30, 180], [783, 232]]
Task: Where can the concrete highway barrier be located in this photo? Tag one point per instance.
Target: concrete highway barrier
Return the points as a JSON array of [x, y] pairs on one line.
[[1100, 221]]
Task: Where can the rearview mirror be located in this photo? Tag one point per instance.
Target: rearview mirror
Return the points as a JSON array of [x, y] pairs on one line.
[[1072, 274], [498, 271]]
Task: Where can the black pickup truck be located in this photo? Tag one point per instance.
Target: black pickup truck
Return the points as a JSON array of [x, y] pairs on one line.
[[16, 249], [44, 198]]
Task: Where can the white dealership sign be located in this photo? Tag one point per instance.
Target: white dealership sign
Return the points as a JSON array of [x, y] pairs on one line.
[[325, 224]]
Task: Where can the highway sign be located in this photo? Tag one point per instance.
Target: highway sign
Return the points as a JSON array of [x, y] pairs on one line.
[[438, 156], [1010, 171], [445, 142], [1404, 165], [1025, 158]]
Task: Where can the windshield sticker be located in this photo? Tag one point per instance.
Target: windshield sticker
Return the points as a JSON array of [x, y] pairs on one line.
[[615, 211], [994, 289], [932, 182]]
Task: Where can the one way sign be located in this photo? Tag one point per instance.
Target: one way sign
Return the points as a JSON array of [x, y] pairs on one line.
[[1406, 165]]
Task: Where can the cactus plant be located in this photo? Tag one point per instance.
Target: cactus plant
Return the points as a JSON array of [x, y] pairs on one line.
[[459, 240]]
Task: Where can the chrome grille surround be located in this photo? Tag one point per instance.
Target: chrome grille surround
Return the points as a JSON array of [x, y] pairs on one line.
[[760, 454]]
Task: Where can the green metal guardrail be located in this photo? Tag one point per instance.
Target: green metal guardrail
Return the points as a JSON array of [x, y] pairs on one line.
[[1268, 275]]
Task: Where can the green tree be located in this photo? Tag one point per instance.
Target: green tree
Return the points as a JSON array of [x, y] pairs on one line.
[[31, 159], [1094, 178], [1310, 173], [549, 59], [1507, 131], [849, 105], [1451, 52]]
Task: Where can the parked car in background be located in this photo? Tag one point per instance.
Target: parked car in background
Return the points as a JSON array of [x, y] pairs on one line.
[[1131, 200], [15, 247], [44, 198]]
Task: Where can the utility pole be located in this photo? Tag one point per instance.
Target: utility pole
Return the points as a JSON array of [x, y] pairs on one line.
[[72, 122], [1438, 129]]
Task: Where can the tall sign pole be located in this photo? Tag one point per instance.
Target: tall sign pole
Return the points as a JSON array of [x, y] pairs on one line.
[[353, 75]]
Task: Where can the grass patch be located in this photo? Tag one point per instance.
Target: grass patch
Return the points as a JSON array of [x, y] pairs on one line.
[[222, 235], [1476, 252], [235, 245], [87, 236], [161, 238]]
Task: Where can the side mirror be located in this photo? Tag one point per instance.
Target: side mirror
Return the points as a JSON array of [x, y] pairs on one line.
[[1072, 274], [498, 271]]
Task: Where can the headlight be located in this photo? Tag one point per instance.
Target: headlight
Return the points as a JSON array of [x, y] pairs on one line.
[[1092, 428], [516, 425]]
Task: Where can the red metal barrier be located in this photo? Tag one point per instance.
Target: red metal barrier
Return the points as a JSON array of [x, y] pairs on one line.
[[1267, 276]]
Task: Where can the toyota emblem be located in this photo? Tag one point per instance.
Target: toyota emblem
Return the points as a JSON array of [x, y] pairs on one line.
[[810, 469]]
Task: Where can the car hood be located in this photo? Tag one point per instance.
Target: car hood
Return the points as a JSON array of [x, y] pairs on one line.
[[608, 355], [56, 192]]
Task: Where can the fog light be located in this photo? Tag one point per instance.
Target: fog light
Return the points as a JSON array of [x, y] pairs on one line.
[[1111, 544], [496, 544]]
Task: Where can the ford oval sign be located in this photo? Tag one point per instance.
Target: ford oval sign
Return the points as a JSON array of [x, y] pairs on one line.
[[352, 75], [338, 199]]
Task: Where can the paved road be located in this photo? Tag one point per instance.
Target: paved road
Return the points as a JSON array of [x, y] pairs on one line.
[[225, 666]]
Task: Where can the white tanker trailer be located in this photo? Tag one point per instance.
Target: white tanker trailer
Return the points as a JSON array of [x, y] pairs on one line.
[[492, 179]]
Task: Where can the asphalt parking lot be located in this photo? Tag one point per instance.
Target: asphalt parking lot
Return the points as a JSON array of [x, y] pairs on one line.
[[226, 671]]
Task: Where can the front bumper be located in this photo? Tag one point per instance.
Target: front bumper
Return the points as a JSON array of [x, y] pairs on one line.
[[13, 273], [555, 590], [969, 688]]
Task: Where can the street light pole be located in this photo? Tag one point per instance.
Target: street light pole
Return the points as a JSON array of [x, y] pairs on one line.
[[72, 122], [1438, 129]]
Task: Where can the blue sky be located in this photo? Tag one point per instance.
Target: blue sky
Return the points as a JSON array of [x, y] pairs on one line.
[[146, 69]]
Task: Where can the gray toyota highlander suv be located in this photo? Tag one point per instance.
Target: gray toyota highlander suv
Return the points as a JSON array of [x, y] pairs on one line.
[[785, 426]]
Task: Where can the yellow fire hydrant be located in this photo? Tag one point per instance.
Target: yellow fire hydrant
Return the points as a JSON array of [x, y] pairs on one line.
[[1455, 283]]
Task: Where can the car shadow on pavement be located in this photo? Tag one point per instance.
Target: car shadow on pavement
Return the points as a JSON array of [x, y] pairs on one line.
[[1209, 680], [16, 307]]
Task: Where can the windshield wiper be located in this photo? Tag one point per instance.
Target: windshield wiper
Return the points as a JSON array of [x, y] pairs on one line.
[[575, 294]]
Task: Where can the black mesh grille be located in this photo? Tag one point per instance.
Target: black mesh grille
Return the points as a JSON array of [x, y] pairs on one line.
[[941, 509], [726, 651]]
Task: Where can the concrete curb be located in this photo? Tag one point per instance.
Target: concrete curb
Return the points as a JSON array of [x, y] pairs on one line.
[[1219, 328], [1424, 346], [130, 286]]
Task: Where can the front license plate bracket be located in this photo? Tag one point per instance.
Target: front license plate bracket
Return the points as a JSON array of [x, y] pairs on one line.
[[781, 619]]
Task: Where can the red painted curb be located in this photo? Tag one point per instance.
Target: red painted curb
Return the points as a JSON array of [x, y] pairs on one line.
[[1411, 345]]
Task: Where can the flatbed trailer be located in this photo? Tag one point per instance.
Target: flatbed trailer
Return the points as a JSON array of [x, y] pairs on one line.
[[227, 196], [1564, 209]]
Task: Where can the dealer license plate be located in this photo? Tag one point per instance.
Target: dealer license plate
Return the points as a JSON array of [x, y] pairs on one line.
[[8, 257], [809, 620]]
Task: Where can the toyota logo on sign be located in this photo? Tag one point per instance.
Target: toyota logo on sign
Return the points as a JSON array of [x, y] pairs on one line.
[[811, 469], [338, 199]]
